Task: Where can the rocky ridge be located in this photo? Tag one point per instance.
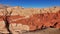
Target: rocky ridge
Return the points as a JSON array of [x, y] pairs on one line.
[[17, 19]]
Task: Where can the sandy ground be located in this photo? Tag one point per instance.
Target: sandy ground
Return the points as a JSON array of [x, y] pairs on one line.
[[45, 31]]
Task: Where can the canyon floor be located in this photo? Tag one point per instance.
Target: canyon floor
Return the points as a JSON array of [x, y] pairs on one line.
[[45, 31]]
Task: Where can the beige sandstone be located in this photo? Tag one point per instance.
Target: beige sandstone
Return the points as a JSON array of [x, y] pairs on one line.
[[27, 12]]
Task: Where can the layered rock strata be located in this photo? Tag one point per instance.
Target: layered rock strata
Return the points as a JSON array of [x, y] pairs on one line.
[[18, 19]]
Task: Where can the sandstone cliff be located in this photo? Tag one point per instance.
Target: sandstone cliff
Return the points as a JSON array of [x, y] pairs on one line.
[[18, 19]]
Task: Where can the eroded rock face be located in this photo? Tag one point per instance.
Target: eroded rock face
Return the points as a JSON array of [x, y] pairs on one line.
[[3, 24], [29, 19]]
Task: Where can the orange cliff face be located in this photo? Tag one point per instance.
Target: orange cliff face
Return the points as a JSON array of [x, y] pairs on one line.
[[35, 18], [30, 19]]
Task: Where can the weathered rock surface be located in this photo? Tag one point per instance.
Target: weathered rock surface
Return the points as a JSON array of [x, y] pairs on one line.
[[18, 19]]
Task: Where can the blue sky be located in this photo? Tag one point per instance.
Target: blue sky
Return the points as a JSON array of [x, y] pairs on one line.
[[31, 3]]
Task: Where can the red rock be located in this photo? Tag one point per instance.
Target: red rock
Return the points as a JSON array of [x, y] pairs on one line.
[[32, 27], [58, 26]]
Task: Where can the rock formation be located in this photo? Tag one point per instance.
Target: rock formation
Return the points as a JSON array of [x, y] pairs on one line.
[[17, 19]]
